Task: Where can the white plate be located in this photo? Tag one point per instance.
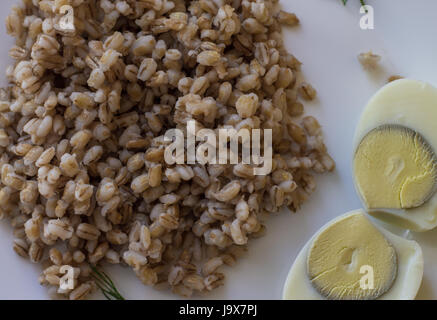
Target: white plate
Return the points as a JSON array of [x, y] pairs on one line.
[[327, 42]]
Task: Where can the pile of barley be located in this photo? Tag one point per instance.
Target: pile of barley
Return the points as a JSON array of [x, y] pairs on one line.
[[83, 176]]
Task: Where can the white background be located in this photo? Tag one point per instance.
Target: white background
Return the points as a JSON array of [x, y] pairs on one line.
[[327, 42]]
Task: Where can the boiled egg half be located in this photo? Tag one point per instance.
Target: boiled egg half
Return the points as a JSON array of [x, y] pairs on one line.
[[395, 164], [351, 258]]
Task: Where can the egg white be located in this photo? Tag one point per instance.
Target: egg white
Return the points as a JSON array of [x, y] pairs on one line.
[[412, 104], [405, 286]]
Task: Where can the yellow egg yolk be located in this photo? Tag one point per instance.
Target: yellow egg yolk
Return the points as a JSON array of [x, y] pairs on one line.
[[395, 168], [342, 254]]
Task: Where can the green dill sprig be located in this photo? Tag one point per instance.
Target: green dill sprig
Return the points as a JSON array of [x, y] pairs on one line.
[[105, 284], [361, 1]]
